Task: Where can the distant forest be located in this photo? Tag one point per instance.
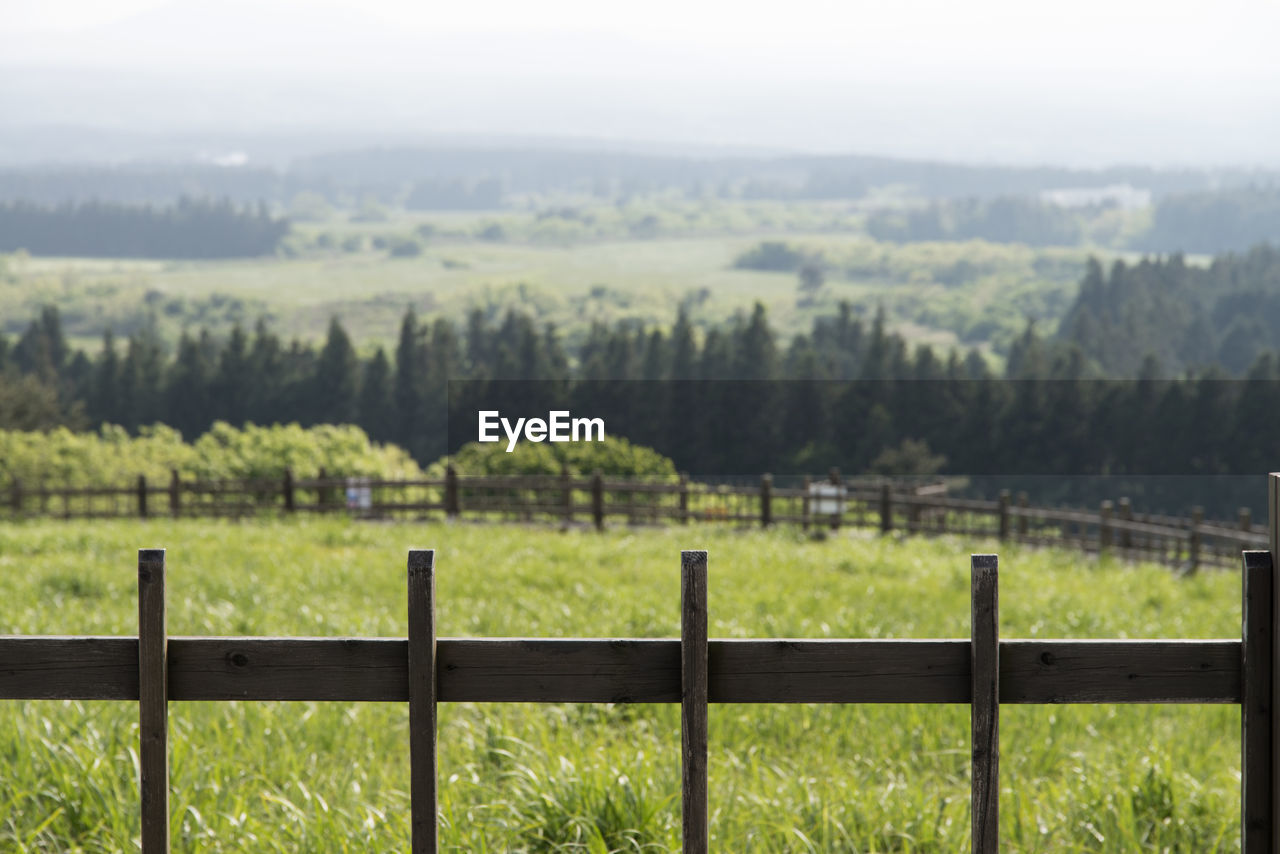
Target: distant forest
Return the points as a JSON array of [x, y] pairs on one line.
[[1162, 316], [895, 408], [189, 229]]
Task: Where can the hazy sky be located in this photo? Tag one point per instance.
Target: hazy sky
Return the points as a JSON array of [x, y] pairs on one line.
[[1091, 81]]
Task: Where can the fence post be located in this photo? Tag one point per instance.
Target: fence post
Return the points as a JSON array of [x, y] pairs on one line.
[[1126, 535], [597, 499], [566, 495], [1256, 720], [289, 505], [1104, 528], [984, 710], [175, 493], [804, 503], [693, 699], [886, 508], [1023, 503], [1273, 546], [322, 490], [451, 504], [766, 500], [153, 702], [422, 701], [834, 477], [141, 490], [684, 498], [1004, 515], [1246, 519], [1193, 539]]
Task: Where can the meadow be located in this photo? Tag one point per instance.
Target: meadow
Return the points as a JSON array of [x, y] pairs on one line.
[[570, 268], [601, 778]]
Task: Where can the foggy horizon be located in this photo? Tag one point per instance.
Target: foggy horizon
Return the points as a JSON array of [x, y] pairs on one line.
[[1151, 84]]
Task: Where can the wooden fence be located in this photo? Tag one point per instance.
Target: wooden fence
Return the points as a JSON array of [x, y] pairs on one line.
[[1188, 543], [984, 671]]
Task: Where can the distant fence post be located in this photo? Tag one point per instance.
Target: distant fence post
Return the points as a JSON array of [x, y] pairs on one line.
[[886, 508], [566, 495], [597, 499], [766, 500], [142, 496], [287, 487], [1193, 539], [175, 492], [834, 477], [1004, 515], [452, 506], [804, 503], [1023, 504], [1126, 535], [684, 498], [1246, 519], [1104, 527]]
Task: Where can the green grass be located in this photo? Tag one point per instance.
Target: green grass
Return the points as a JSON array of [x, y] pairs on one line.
[[600, 778]]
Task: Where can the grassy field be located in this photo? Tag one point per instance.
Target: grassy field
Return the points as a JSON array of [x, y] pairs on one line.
[[942, 293], [538, 778]]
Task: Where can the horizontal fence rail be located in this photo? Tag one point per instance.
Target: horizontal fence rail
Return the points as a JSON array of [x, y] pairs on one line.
[[817, 504], [984, 671]]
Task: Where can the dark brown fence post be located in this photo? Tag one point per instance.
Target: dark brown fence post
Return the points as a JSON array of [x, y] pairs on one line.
[[566, 495], [1246, 519], [597, 499], [1126, 535], [693, 699], [452, 506], [1256, 744], [985, 709], [684, 498], [1193, 539], [153, 702], [1104, 528], [886, 508], [141, 490], [287, 488], [834, 477], [175, 493], [1023, 522], [766, 500], [1004, 515], [1273, 547], [804, 503], [422, 701], [322, 490]]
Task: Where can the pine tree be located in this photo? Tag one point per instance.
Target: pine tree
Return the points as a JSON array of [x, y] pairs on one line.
[[377, 409], [337, 379]]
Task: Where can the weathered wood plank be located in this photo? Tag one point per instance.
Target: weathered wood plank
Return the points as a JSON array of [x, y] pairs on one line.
[[153, 699], [422, 700], [624, 670], [1273, 546], [984, 713], [1256, 821], [694, 698]]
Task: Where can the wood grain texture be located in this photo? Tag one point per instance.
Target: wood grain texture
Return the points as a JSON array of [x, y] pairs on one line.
[[153, 699], [693, 700], [1273, 547], [984, 712], [1256, 745], [422, 700], [626, 670]]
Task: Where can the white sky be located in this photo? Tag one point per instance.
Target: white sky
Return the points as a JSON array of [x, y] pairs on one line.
[[689, 69]]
